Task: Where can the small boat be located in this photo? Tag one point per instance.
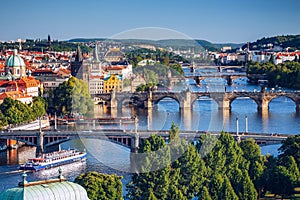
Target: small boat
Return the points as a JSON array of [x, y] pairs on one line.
[[53, 159]]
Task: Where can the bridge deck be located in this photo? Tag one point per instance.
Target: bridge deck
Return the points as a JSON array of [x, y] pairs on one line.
[[260, 138]]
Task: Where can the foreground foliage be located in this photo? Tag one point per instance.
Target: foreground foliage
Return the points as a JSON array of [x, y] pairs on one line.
[[101, 186], [14, 112], [214, 168], [71, 96]]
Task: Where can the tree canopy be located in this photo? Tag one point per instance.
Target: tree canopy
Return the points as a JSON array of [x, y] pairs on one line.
[[15, 112], [101, 186], [71, 96]]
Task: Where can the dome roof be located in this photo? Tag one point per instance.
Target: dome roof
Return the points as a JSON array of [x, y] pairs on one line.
[[15, 60], [53, 190]]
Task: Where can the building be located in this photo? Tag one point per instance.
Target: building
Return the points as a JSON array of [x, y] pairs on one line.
[[96, 85], [113, 82], [15, 65], [16, 95], [57, 188], [146, 62], [114, 55]]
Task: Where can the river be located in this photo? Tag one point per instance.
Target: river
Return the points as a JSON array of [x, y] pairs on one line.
[[109, 158]]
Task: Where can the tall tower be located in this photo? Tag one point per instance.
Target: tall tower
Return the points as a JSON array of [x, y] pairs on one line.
[[77, 64], [49, 40]]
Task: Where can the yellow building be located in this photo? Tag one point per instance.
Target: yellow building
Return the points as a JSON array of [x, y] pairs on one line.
[[113, 82]]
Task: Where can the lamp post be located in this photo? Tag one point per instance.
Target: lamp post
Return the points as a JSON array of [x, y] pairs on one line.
[[237, 126], [246, 124]]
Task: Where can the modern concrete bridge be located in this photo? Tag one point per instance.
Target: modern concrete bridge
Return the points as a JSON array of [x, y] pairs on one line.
[[47, 141]]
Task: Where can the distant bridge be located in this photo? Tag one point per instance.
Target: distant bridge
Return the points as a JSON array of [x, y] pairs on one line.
[[220, 68], [228, 76], [186, 99], [45, 141]]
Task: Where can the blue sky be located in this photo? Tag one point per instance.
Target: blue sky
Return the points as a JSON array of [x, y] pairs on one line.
[[213, 20]]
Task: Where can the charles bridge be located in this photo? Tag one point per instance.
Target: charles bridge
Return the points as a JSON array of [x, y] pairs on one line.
[[186, 98]]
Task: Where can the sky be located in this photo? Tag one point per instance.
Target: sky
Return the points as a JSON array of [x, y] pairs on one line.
[[217, 21]]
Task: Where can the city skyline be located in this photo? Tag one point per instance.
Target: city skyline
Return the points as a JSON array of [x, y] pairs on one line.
[[215, 21]]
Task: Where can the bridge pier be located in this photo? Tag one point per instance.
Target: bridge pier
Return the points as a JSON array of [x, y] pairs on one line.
[[197, 80], [263, 107], [229, 80], [113, 100], [40, 144], [223, 104], [186, 103], [148, 102], [135, 139]]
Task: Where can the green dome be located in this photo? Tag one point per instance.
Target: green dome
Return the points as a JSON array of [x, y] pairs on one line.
[[15, 60], [57, 190]]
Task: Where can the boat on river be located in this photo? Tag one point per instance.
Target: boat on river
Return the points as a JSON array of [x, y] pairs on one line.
[[53, 159]]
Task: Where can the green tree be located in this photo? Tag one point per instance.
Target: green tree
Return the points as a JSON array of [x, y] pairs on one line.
[[291, 147], [73, 96], [14, 116], [215, 186], [227, 190], [154, 170], [38, 107], [252, 154], [204, 194], [101, 186], [3, 121]]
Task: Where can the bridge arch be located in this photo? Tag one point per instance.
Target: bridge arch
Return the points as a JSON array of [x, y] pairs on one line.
[[173, 97], [290, 98], [202, 96], [125, 142], [257, 101]]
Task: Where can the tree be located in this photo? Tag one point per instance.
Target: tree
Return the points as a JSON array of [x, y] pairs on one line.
[[215, 186], [291, 147], [154, 170], [253, 156], [73, 96], [101, 186], [204, 194], [227, 190], [38, 107], [3, 121]]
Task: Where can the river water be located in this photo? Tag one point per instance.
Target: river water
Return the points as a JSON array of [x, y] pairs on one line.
[[107, 157]]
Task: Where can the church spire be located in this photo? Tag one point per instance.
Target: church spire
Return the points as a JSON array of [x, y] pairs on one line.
[[96, 53], [78, 57]]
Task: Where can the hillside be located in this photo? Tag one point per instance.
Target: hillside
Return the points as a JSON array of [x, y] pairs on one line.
[[167, 43], [292, 41]]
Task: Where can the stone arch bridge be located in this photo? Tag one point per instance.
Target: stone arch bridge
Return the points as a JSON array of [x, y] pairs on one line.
[[186, 99]]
